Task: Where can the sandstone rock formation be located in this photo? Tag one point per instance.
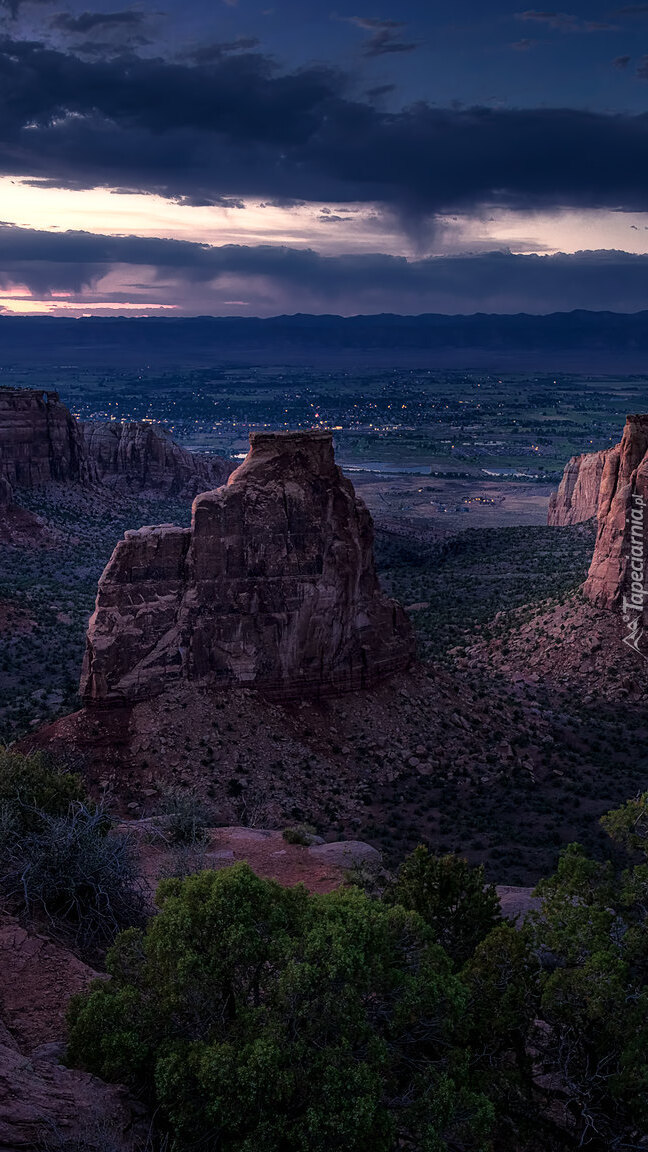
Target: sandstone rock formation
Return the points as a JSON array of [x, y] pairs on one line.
[[578, 493], [617, 577], [273, 587], [40, 440], [140, 457]]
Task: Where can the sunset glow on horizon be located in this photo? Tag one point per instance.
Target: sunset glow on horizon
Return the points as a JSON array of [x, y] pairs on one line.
[[259, 171]]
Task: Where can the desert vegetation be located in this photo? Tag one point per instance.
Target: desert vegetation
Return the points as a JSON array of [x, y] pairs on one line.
[[61, 861], [401, 1014], [246, 1014], [477, 579]]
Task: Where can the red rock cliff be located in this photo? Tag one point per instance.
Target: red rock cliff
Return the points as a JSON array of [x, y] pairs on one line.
[[134, 457], [578, 494], [40, 440], [617, 569], [273, 587]]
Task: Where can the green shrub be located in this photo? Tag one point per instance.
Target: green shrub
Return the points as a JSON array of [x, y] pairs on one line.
[[252, 1016], [451, 896], [186, 818], [35, 784], [299, 834], [593, 926], [502, 979]]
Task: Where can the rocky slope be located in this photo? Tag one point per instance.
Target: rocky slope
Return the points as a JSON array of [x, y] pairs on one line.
[[571, 647], [43, 1104], [460, 758], [17, 525], [578, 494], [273, 587], [266, 762], [133, 457]]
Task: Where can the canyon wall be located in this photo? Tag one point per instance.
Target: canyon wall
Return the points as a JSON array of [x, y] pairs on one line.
[[614, 485], [138, 457], [616, 576], [273, 587], [40, 441], [578, 493]]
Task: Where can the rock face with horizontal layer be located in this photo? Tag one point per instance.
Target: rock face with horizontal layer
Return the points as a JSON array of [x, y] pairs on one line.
[[578, 494], [619, 568], [273, 587], [138, 457], [40, 441]]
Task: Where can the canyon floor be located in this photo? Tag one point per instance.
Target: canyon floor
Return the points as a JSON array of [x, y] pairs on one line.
[[509, 738]]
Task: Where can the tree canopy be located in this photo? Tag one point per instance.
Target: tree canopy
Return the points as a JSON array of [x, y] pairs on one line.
[[262, 1017]]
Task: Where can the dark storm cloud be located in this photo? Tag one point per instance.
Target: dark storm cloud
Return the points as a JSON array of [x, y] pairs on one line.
[[14, 6], [90, 21], [208, 53], [621, 61], [383, 35], [239, 128], [380, 90], [564, 21], [186, 271]]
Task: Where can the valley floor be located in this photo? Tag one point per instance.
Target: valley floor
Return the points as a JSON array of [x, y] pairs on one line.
[[510, 737]]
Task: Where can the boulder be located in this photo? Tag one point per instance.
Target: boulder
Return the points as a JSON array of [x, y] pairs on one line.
[[44, 1105], [346, 854], [273, 587]]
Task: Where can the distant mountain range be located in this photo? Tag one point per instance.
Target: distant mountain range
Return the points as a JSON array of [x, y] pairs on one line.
[[576, 341]]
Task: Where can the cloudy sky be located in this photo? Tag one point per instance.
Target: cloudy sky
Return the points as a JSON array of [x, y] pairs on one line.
[[256, 157]]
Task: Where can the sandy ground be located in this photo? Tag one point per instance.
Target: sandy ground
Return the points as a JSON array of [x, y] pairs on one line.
[[448, 506]]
